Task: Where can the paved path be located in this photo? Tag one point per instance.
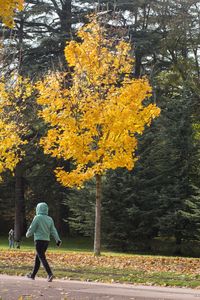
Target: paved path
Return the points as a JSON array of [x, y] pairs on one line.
[[12, 287]]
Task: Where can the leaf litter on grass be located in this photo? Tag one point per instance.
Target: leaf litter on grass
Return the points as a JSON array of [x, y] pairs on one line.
[[112, 268]]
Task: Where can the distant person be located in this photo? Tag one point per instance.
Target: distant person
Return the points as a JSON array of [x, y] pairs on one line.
[[42, 227], [11, 238]]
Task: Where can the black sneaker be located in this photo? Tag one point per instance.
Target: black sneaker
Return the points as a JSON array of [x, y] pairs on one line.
[[50, 278], [30, 276]]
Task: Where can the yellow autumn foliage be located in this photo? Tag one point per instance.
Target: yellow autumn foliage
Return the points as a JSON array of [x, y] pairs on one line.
[[13, 95], [96, 115], [7, 10]]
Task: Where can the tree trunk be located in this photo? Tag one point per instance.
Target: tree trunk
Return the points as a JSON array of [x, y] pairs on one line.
[[20, 219], [178, 238], [138, 64], [66, 23], [97, 233]]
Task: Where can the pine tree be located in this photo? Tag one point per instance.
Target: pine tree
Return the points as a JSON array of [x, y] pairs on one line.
[[81, 205]]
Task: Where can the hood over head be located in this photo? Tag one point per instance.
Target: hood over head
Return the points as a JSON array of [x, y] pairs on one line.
[[42, 209]]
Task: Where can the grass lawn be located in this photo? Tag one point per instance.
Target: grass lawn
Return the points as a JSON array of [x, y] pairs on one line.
[[72, 244], [75, 260]]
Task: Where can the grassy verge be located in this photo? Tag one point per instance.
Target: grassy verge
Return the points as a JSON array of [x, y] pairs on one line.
[[108, 275], [75, 261]]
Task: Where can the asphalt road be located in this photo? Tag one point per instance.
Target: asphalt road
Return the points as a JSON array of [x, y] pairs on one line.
[[12, 287]]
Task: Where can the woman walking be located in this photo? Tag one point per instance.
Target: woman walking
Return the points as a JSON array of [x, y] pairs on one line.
[[42, 227]]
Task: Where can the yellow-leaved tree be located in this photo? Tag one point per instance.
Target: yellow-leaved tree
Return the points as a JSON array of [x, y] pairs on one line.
[[13, 94], [8, 9], [9, 144], [9, 137], [95, 116]]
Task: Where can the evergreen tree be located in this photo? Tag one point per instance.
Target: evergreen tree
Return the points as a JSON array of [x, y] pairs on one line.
[[164, 168], [81, 204]]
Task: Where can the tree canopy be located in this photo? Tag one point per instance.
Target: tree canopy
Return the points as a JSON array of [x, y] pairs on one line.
[[96, 119]]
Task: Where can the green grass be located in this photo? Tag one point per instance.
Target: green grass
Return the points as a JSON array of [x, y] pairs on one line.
[[130, 276], [114, 276], [72, 244]]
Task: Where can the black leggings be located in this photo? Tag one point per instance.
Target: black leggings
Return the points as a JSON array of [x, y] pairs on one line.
[[41, 247]]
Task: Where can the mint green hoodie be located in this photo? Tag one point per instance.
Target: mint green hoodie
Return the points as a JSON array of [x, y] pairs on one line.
[[42, 226]]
